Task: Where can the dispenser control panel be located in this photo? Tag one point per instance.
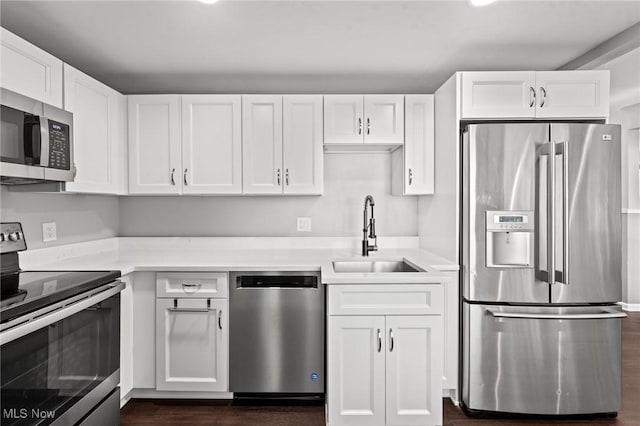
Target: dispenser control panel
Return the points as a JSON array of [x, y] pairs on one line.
[[510, 239]]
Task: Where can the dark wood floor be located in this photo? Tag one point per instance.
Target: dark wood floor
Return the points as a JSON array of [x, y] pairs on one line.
[[224, 413]]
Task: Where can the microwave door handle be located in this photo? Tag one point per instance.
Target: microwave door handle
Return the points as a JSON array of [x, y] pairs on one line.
[[43, 151]]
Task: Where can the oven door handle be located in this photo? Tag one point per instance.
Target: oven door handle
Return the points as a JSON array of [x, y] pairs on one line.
[[37, 322], [604, 313]]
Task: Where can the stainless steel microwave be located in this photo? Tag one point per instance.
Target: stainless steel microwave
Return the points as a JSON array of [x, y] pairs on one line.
[[36, 141]]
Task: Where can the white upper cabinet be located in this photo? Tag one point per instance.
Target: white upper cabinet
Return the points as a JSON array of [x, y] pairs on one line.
[[29, 70], [154, 144], [413, 168], [369, 119], [99, 134], [282, 144], [582, 94], [343, 119], [500, 94], [384, 119], [211, 144], [302, 144], [530, 94], [262, 171]]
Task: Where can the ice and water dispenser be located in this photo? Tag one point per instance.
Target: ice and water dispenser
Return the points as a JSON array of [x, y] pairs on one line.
[[510, 239]]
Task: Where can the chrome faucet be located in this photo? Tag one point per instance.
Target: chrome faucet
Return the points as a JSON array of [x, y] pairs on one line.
[[370, 228]]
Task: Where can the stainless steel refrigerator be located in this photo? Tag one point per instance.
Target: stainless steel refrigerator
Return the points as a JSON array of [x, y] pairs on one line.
[[541, 268]]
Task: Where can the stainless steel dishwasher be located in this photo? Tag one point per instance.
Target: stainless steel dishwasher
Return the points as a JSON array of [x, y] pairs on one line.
[[276, 334]]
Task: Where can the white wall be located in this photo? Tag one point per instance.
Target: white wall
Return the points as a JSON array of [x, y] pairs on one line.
[[78, 217], [348, 178], [625, 92]]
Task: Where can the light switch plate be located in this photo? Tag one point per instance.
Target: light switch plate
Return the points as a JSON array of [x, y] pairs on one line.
[[49, 232], [304, 224]]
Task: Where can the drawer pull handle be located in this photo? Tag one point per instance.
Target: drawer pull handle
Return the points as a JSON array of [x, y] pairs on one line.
[[379, 341], [191, 288], [390, 340]]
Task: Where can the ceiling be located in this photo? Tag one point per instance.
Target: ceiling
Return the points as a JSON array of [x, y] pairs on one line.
[[238, 46]]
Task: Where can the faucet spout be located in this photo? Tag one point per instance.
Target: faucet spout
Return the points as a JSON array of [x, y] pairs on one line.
[[368, 228]]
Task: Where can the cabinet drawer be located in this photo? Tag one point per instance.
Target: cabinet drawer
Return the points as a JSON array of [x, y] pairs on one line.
[[393, 299], [192, 284]]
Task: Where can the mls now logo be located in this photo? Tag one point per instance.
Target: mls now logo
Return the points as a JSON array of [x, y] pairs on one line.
[[23, 413]]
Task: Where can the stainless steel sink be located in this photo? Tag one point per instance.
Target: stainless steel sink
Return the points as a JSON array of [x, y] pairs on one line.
[[361, 266]]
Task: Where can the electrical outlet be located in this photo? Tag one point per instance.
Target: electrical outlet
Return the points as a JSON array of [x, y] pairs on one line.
[[304, 224], [49, 232]]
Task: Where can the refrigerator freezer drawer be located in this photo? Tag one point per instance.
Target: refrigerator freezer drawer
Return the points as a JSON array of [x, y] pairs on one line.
[[542, 360]]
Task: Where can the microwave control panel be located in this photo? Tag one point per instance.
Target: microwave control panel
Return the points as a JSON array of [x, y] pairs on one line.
[[59, 146]]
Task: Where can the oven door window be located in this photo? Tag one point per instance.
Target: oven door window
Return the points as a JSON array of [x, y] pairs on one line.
[[46, 372], [20, 136]]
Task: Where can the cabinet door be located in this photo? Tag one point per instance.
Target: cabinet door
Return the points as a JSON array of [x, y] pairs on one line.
[[302, 144], [414, 370], [262, 145], [343, 119], [384, 119], [499, 94], [29, 70], [211, 144], [573, 94], [356, 370], [154, 144], [419, 168], [191, 345], [99, 119]]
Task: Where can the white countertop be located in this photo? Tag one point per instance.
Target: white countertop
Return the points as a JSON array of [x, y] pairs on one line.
[[229, 254]]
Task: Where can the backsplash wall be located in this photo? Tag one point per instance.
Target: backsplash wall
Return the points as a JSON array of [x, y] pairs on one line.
[[348, 178], [78, 217]]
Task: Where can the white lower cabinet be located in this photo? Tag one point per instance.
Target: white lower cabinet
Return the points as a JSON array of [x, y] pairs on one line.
[[384, 369], [192, 341]]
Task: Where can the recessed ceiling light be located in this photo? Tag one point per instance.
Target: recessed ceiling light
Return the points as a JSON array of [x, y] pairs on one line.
[[479, 2], [209, 1]]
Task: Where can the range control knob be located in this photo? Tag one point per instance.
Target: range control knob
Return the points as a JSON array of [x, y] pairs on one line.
[[14, 236]]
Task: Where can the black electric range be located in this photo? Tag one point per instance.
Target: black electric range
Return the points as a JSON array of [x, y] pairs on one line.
[[23, 292], [28, 291]]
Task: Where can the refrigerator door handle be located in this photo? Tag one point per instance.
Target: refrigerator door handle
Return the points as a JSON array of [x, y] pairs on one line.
[[551, 210], [563, 276], [547, 250], [604, 314]]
